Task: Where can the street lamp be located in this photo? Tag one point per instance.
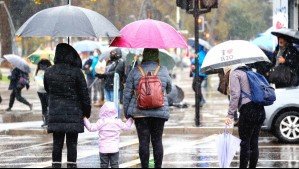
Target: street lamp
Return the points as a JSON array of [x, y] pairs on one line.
[[12, 27]]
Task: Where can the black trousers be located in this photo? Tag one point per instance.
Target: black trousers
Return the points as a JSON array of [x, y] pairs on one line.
[[16, 94], [150, 130], [111, 159], [251, 120], [71, 143], [44, 98]]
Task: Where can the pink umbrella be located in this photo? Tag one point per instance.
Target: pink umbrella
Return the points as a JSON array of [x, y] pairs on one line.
[[149, 33]]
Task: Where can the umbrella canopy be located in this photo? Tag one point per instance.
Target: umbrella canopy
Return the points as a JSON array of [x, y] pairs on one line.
[[41, 54], [289, 34], [67, 21], [165, 58], [227, 145], [149, 34], [265, 42], [232, 53], [18, 62], [86, 46], [205, 44], [106, 53]]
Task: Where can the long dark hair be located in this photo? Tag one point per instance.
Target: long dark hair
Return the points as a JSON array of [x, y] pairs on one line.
[[43, 65]]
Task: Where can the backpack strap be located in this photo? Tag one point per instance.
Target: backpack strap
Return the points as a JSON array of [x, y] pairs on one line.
[[141, 70], [157, 70]]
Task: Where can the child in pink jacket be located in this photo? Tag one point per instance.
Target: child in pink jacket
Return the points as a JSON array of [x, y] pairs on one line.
[[109, 128]]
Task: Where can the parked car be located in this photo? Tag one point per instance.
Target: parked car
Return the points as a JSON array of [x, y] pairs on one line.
[[282, 118]]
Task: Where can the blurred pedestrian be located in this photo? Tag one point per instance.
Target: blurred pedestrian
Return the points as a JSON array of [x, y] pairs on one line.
[[201, 56], [108, 127], [149, 122], [99, 86], [285, 64], [18, 81], [90, 71], [114, 65], [42, 93], [69, 102], [251, 118]]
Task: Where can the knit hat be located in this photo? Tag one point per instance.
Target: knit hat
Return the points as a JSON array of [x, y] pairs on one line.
[[150, 54]]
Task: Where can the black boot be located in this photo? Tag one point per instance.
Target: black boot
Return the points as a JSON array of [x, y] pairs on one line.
[[56, 165], [71, 165]]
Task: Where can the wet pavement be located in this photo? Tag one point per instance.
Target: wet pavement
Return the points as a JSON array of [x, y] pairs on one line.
[[185, 146], [181, 151]]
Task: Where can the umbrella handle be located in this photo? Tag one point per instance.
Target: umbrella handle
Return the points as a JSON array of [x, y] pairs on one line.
[[226, 129]]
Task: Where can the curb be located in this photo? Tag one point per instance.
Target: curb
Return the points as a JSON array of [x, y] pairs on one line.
[[205, 131]]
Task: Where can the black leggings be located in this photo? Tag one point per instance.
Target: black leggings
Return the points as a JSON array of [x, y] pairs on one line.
[[71, 143], [44, 101], [150, 129], [16, 94], [251, 119]]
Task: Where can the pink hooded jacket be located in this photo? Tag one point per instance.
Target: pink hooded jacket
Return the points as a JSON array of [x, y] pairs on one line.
[[109, 128]]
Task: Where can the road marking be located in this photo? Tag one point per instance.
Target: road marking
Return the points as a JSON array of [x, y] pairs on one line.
[[23, 148], [168, 151], [80, 155]]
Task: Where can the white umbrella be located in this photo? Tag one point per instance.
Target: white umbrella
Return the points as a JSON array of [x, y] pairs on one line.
[[227, 145], [232, 52], [18, 62]]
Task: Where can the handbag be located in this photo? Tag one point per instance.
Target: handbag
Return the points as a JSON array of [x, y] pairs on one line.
[[281, 75]]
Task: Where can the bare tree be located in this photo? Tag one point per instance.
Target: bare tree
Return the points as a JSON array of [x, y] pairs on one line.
[[6, 41]]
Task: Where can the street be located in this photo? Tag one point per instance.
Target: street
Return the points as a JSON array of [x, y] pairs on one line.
[[26, 144], [181, 151]]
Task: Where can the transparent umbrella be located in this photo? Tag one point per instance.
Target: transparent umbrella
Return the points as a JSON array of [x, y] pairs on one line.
[[18, 62], [227, 145]]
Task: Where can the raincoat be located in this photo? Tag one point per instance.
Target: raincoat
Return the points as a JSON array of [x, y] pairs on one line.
[[109, 128], [69, 100]]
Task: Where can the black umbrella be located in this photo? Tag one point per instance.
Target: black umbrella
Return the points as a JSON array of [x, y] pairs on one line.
[[289, 34]]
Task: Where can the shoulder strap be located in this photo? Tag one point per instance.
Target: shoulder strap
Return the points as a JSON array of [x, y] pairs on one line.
[[141, 70], [157, 70]]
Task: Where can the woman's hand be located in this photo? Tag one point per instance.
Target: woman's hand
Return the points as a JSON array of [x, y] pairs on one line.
[[228, 121], [282, 60]]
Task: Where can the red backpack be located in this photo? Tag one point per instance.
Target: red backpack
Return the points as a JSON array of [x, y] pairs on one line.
[[150, 94]]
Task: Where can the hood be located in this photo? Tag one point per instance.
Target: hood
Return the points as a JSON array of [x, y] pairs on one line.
[[66, 54], [109, 110]]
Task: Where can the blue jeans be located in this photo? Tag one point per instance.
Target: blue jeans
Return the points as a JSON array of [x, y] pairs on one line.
[[109, 95]]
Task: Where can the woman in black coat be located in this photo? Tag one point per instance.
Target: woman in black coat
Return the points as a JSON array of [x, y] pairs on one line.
[[286, 55], [69, 102]]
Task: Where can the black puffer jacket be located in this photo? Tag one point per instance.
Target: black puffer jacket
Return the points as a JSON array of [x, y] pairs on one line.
[[68, 94]]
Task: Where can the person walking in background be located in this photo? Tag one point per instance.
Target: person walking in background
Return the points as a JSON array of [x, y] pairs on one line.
[[69, 102], [108, 128], [149, 122], [42, 94], [285, 63], [201, 56], [251, 118], [90, 71], [18, 81], [100, 85]]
